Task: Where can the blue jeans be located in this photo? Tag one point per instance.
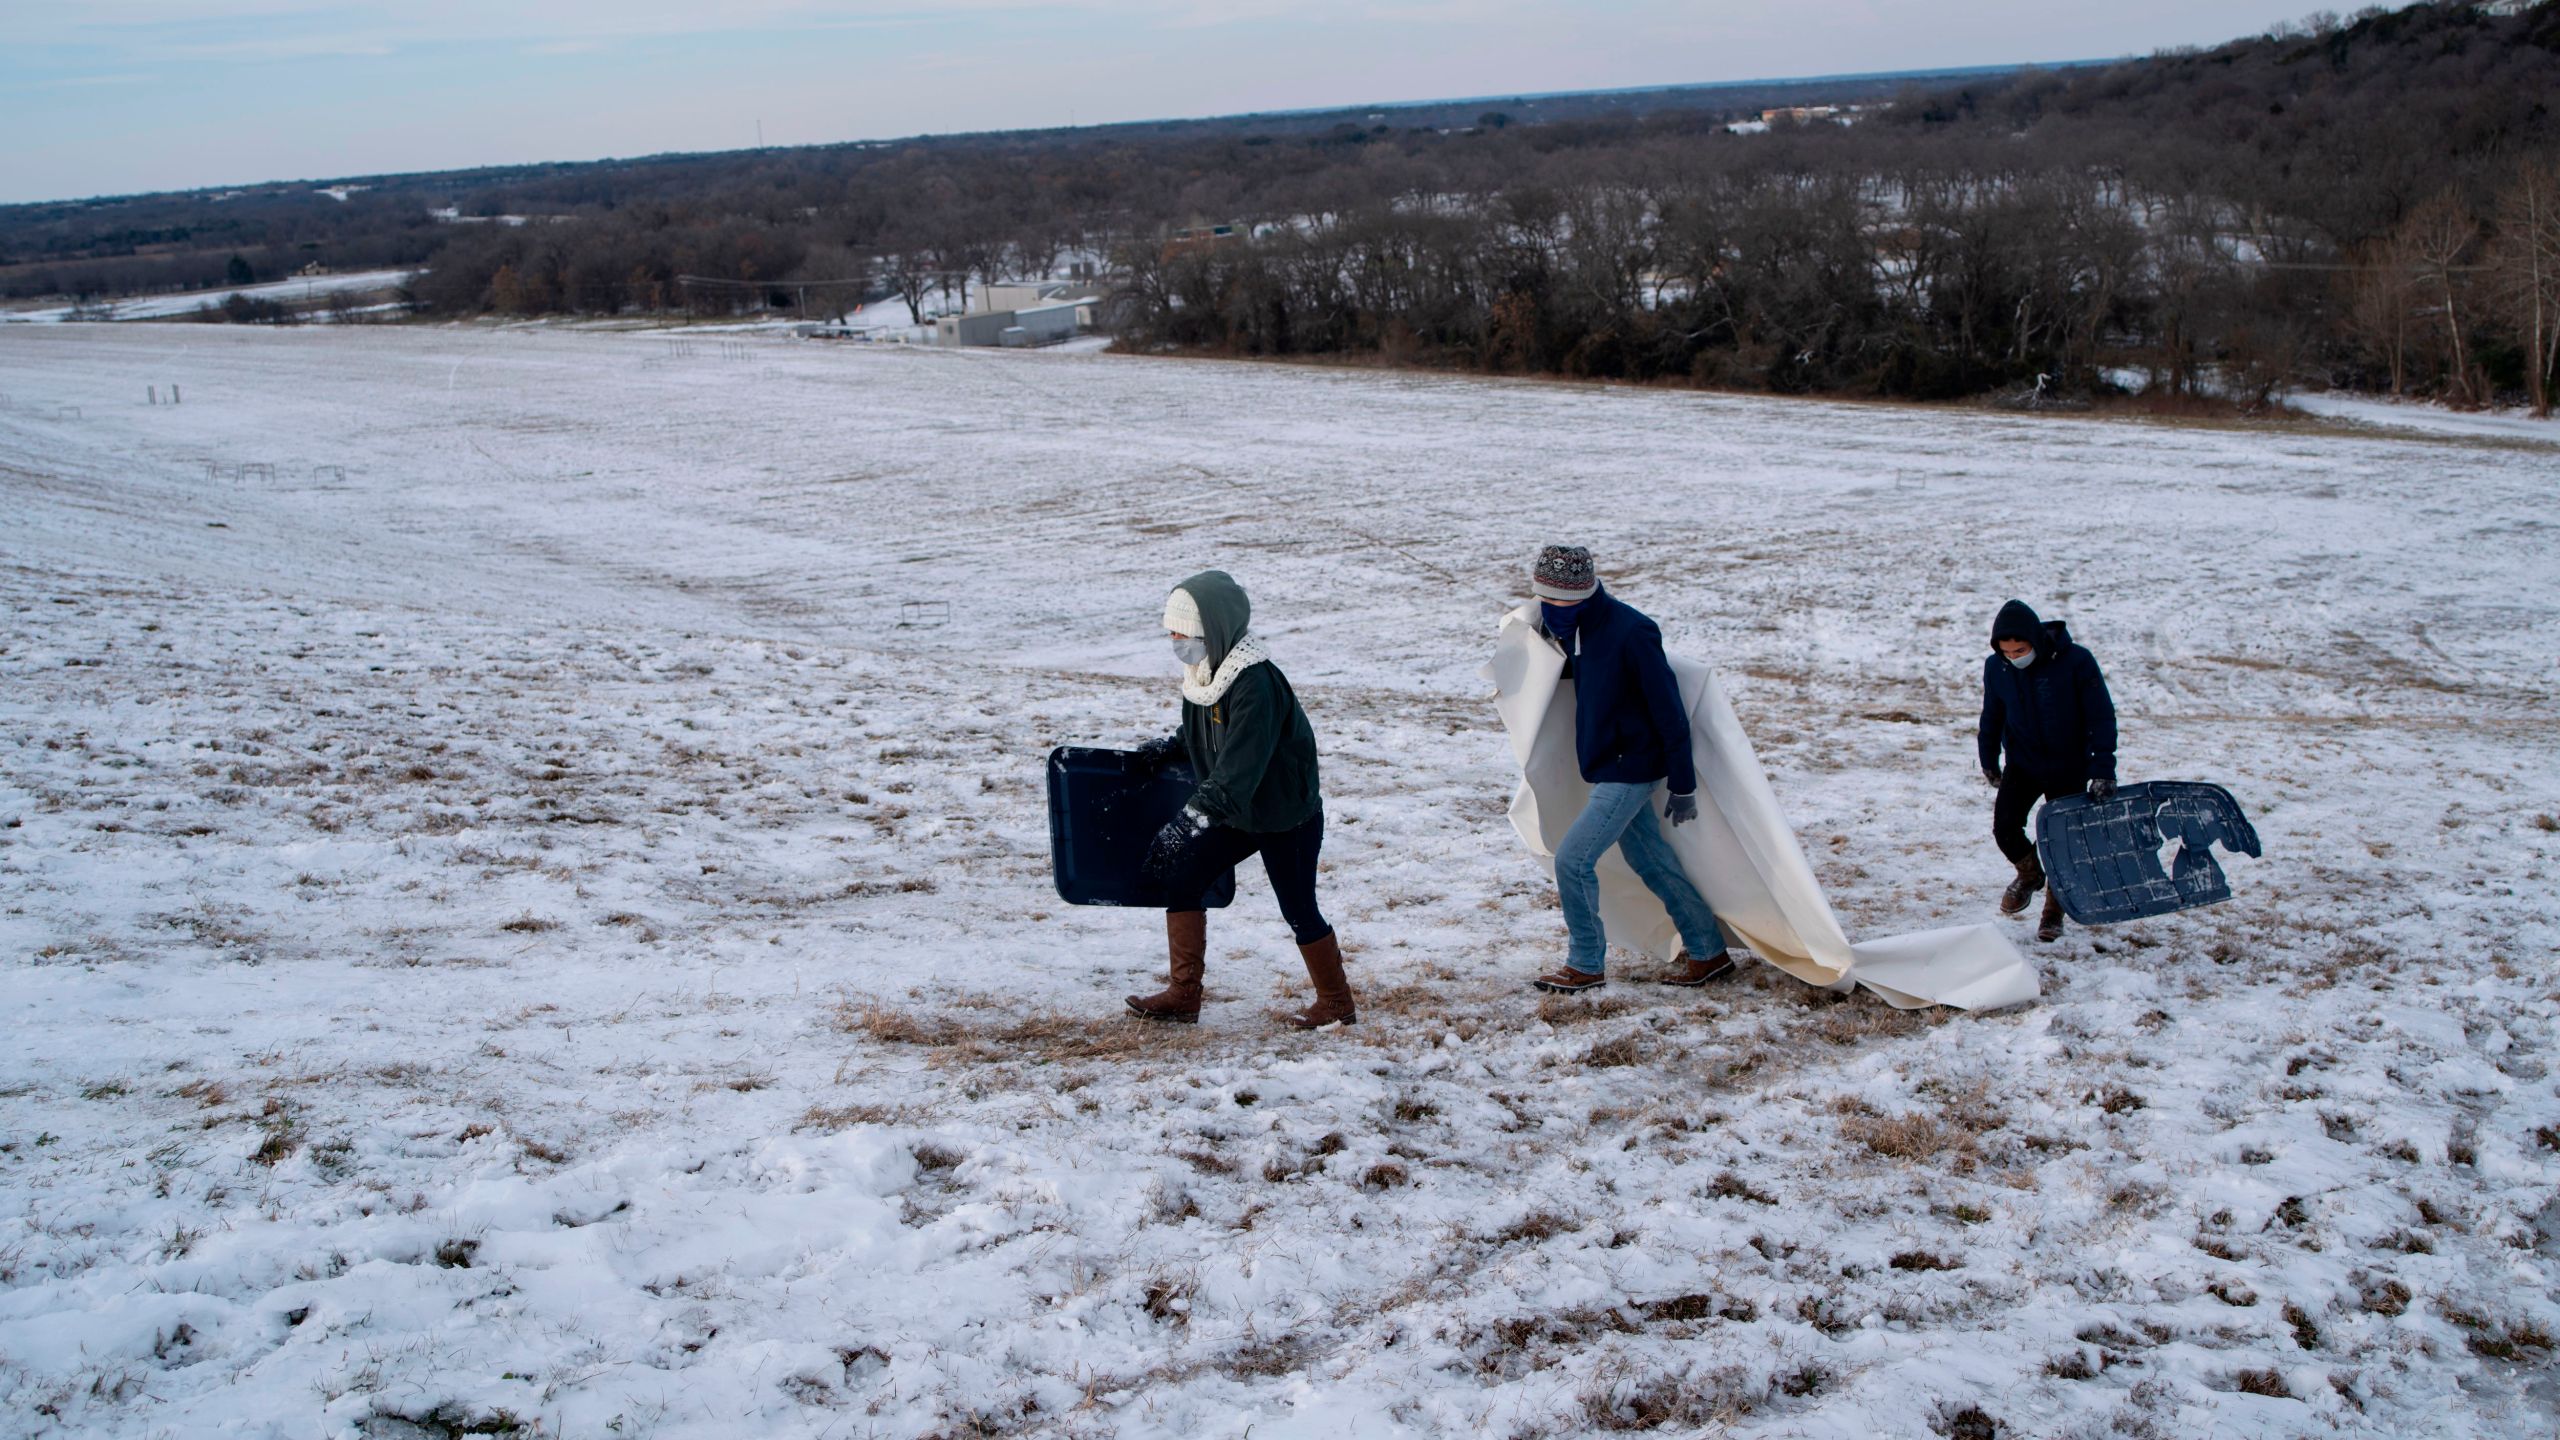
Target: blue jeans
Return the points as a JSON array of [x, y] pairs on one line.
[[1622, 815]]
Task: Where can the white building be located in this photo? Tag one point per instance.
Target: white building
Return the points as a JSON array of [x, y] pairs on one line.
[[1023, 312]]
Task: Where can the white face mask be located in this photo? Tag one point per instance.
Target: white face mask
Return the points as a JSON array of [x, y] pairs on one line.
[[2021, 661], [1190, 649]]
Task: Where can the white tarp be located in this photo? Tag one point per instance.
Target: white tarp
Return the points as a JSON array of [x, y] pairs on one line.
[[1739, 852]]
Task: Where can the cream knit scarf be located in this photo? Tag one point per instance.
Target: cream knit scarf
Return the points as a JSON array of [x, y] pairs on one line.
[[1200, 687]]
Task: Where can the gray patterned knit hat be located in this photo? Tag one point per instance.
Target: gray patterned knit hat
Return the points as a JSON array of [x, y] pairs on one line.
[[1564, 572]]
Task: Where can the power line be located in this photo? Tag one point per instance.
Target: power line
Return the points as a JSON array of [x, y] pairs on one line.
[[714, 282]]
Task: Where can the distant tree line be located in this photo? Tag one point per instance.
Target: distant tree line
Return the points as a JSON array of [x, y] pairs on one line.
[[162, 244], [2363, 201], [2366, 201]]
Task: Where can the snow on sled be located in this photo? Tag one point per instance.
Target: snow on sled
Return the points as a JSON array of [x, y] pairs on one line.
[[1103, 814], [2103, 857]]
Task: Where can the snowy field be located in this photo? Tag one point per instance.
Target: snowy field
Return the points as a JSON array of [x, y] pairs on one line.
[[531, 915], [301, 290]]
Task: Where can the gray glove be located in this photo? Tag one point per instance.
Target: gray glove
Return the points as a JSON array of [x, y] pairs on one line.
[[1682, 809], [1991, 778], [2102, 791]]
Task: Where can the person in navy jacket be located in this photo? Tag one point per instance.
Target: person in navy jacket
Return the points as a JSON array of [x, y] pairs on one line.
[[2048, 730], [1631, 738]]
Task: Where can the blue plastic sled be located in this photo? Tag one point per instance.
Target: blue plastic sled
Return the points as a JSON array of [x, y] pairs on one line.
[[2103, 859], [1102, 817]]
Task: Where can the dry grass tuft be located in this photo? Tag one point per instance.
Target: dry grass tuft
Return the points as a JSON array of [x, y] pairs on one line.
[[2114, 1099], [1683, 1308], [894, 1027], [1168, 1298], [2269, 1383], [2072, 1365], [2382, 1297], [1574, 1009], [1041, 1037], [207, 1093], [1901, 1137], [1669, 1401], [1536, 1225], [1268, 1358], [2493, 1340], [1615, 1052], [1729, 1186], [831, 1118], [1970, 1423]]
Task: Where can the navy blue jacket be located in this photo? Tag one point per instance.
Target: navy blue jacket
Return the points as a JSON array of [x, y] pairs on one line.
[[1629, 726], [2054, 718]]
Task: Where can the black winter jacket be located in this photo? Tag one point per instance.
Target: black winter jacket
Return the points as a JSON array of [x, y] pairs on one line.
[[1629, 726], [1255, 750], [2054, 719]]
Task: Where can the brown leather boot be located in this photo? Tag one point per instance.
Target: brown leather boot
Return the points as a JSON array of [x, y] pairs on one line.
[[1186, 943], [1688, 970], [1333, 992], [2050, 927], [2023, 889]]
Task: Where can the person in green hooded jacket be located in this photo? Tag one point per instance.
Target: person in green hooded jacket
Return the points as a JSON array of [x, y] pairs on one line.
[[1251, 744]]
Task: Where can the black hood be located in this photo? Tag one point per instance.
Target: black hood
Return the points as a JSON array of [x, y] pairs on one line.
[[2017, 621], [1224, 611]]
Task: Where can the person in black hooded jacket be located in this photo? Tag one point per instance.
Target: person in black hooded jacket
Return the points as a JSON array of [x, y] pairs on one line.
[[2048, 730]]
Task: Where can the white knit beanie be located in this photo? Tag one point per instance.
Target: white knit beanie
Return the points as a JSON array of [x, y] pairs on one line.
[[1182, 615]]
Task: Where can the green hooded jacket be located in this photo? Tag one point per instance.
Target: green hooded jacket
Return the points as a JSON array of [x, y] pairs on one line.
[[1255, 749]]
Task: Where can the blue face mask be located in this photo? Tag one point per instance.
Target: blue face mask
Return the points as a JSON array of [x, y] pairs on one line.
[[2021, 661], [1560, 619], [1190, 649]]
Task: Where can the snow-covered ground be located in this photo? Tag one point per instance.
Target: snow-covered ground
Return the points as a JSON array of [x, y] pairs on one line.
[[534, 912], [2432, 419], [300, 290]]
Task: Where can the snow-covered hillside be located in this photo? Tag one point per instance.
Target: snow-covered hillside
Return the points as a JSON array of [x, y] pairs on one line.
[[533, 911], [305, 292]]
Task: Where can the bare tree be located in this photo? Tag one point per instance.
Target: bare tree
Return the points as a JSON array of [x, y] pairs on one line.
[[911, 272], [2440, 235], [2382, 301], [2526, 260]]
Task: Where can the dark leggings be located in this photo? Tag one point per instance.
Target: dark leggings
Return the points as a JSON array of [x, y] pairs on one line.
[[2019, 792], [1288, 857]]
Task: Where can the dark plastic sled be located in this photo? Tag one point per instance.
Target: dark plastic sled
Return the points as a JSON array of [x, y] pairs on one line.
[[1102, 817], [2103, 858]]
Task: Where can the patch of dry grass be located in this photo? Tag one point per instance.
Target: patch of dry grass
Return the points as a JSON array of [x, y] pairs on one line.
[[830, 1118], [1913, 1135]]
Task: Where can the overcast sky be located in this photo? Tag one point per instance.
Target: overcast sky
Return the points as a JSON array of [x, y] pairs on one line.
[[117, 96]]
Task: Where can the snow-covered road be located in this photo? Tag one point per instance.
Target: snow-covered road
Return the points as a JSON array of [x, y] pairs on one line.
[[532, 907]]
